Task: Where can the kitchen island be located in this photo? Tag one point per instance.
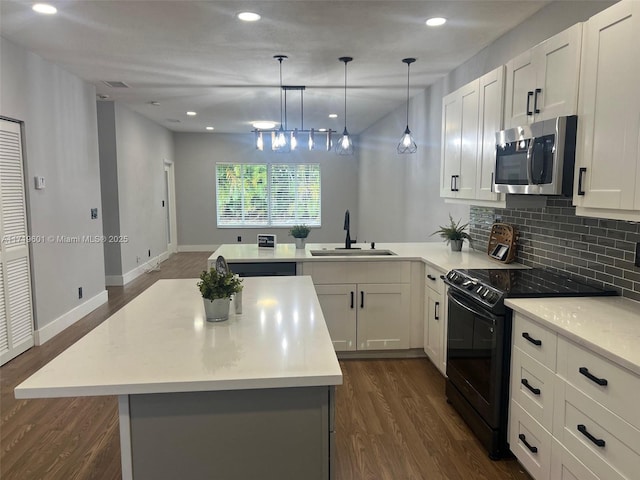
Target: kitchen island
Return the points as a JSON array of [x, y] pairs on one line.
[[251, 397]]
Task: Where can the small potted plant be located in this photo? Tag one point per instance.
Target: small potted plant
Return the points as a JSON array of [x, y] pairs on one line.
[[454, 234], [300, 234], [216, 289]]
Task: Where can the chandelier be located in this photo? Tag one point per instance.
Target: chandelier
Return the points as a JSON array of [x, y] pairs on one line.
[[283, 139]]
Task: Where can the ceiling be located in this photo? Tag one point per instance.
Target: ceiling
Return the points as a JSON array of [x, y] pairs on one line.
[[196, 55]]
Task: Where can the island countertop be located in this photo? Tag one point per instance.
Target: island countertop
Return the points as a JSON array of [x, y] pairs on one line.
[[160, 342], [438, 255]]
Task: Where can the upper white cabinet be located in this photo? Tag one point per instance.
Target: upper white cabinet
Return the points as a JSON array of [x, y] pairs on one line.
[[471, 116], [542, 82], [607, 175], [460, 142]]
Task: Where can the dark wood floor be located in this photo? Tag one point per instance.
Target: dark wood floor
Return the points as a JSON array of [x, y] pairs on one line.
[[392, 419]]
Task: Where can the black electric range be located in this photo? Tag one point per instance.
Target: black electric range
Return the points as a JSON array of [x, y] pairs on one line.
[[479, 341]]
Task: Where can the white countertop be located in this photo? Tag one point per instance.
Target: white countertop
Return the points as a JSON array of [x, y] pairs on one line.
[[609, 326], [160, 342], [438, 255]]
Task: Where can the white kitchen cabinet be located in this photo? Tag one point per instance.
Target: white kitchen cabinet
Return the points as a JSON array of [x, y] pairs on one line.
[[435, 321], [460, 142], [373, 311], [471, 116], [542, 83], [339, 310], [607, 172], [578, 416]]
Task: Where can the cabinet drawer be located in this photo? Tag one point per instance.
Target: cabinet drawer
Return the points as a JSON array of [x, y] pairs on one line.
[[532, 387], [565, 466], [433, 280], [535, 340], [529, 442], [584, 369], [328, 272], [606, 444]]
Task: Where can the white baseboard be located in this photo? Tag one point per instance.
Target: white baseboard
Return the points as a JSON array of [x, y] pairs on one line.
[[121, 280], [197, 248], [53, 328]]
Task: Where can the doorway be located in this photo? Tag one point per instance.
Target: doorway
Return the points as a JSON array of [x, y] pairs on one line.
[[169, 204]]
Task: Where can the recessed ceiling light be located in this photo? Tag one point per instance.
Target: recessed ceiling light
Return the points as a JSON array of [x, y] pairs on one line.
[[322, 129], [333, 115], [249, 16], [192, 114], [44, 8], [154, 103], [436, 21], [263, 125], [208, 128]]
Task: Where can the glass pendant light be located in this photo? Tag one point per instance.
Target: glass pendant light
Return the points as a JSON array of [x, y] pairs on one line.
[[279, 141], [407, 144], [259, 141], [345, 143]]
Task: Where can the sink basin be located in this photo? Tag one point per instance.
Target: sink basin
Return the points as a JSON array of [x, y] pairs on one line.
[[352, 252]]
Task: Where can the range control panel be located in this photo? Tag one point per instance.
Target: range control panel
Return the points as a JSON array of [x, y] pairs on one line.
[[472, 287]]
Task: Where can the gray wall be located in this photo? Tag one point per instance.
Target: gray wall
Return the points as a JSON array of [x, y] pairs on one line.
[[141, 148], [59, 111], [195, 157], [109, 186], [413, 180]]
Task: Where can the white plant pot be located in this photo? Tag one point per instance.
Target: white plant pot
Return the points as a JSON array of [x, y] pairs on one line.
[[217, 310], [300, 243]]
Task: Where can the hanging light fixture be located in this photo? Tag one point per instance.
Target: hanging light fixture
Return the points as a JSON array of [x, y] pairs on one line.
[[282, 139], [345, 144], [279, 141], [407, 144]]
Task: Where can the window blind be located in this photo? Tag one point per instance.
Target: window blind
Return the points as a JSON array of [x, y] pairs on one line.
[[277, 195]]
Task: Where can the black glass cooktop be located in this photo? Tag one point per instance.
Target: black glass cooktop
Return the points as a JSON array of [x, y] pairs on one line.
[[533, 283]]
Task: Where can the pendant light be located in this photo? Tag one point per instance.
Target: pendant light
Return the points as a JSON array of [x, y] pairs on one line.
[[407, 144], [345, 143], [279, 141]]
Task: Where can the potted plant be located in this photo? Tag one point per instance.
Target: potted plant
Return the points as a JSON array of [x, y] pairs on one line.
[[216, 289], [454, 234], [300, 234]]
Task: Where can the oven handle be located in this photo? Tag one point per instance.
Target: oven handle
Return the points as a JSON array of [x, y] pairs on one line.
[[467, 306]]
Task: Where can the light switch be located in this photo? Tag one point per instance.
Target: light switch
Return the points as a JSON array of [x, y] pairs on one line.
[[39, 183], [94, 213]]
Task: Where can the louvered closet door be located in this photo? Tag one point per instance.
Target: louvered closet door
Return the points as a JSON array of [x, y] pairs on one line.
[[16, 317]]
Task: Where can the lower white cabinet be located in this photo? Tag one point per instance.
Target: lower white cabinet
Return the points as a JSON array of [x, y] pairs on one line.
[[435, 320], [370, 314], [577, 421]]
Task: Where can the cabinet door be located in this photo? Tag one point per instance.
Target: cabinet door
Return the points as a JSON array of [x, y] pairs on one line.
[[338, 303], [608, 111], [557, 62], [519, 88], [460, 142], [451, 141], [490, 116], [564, 466], [434, 326], [383, 316]]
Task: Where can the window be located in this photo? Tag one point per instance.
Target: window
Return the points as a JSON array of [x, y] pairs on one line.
[[259, 195]]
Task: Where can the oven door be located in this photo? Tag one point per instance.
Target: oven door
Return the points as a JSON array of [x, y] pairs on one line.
[[475, 355]]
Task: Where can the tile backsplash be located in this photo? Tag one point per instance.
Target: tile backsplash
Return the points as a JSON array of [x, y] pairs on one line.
[[594, 250]]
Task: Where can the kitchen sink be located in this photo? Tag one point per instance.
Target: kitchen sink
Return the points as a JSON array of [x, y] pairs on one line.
[[351, 252]]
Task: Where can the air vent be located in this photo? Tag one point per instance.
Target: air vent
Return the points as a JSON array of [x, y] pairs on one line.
[[173, 120], [115, 84]]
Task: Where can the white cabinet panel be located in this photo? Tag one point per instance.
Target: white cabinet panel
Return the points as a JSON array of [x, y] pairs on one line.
[[542, 83], [609, 113], [383, 316], [529, 442], [339, 311]]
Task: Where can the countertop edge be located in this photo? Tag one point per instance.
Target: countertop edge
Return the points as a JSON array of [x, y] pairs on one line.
[[608, 354]]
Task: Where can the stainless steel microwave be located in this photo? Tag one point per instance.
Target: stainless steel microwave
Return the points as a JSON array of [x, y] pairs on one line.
[[537, 159]]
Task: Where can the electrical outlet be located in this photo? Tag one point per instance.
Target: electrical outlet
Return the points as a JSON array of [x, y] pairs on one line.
[[94, 213], [79, 292], [137, 259], [637, 263], [239, 238], [149, 253]]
